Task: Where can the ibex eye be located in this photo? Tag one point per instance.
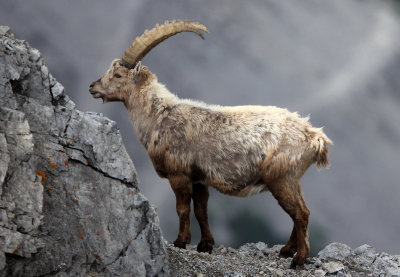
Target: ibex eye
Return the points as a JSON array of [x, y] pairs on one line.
[[116, 75]]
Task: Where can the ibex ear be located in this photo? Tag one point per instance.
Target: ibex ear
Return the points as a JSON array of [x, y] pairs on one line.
[[136, 71]]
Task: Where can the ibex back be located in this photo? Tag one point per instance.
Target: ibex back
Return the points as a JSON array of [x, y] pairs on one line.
[[240, 150]]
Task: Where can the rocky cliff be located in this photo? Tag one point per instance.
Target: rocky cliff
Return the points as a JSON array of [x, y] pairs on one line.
[[70, 205], [69, 202]]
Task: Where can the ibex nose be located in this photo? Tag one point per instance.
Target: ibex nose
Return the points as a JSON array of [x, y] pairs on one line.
[[93, 83]]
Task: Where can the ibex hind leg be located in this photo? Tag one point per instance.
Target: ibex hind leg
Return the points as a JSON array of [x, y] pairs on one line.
[[182, 188], [290, 198], [290, 248], [200, 199]]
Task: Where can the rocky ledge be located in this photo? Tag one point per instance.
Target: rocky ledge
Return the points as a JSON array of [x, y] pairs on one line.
[[256, 259]]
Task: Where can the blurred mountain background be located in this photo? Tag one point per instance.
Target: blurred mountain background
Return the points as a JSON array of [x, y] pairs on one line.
[[337, 61]]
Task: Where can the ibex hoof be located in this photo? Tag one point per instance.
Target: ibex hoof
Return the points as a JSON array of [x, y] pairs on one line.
[[205, 246], [287, 252], [180, 244], [297, 263]]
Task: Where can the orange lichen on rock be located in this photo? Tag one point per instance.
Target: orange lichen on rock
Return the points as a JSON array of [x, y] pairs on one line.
[[81, 230], [15, 251], [50, 189], [48, 158], [66, 163], [98, 258], [41, 174], [53, 165], [98, 234], [47, 148], [76, 201]]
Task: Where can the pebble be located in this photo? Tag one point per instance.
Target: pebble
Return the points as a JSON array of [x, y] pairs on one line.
[[332, 267], [319, 273]]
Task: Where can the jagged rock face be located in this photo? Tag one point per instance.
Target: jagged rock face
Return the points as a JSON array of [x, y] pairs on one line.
[[69, 205]]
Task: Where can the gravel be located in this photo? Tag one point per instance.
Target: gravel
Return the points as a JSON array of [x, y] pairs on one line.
[[257, 259]]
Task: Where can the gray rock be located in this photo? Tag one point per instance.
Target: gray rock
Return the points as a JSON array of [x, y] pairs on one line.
[[332, 267], [233, 274], [57, 91], [319, 273], [69, 204], [261, 246], [386, 264], [335, 251], [363, 256], [4, 30]]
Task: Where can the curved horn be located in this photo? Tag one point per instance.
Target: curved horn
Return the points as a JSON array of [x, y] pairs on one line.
[[151, 38]]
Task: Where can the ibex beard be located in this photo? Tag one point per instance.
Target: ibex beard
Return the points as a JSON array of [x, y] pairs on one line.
[[239, 151]]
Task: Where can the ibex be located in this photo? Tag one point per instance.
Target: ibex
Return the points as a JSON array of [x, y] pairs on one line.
[[240, 151]]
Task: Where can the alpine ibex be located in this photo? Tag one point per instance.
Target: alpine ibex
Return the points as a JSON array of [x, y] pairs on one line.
[[240, 150]]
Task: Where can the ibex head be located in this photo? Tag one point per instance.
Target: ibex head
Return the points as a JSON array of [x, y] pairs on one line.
[[118, 80]]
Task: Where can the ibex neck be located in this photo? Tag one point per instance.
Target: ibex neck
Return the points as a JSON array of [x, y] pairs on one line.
[[147, 109]]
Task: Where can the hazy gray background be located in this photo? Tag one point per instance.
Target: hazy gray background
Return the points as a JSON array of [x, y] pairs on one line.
[[338, 61]]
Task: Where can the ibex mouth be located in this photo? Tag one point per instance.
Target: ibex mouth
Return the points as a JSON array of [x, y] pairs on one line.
[[92, 91], [95, 93]]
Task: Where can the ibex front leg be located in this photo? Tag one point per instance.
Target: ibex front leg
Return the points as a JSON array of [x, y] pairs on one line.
[[182, 188], [200, 199]]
